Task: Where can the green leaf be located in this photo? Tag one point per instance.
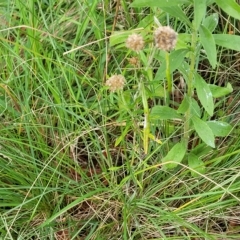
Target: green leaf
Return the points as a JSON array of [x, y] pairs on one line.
[[220, 91], [154, 3], [204, 131], [177, 12], [71, 205], [163, 113], [211, 22], [122, 136], [195, 109], [176, 154], [127, 102], [208, 42], [176, 58], [192, 103], [201, 149], [220, 129], [196, 164], [183, 40], [199, 12], [227, 41], [204, 94], [184, 105], [209, 2], [230, 7], [155, 89], [119, 37]]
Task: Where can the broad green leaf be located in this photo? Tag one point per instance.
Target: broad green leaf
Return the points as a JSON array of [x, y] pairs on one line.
[[209, 2], [184, 70], [192, 103], [220, 91], [227, 41], [211, 22], [177, 12], [199, 12], [155, 89], [204, 131], [176, 58], [163, 113], [184, 105], [196, 164], [220, 129], [209, 45], [154, 3], [195, 109], [127, 102], [176, 154], [201, 150], [183, 40], [204, 94], [230, 7]]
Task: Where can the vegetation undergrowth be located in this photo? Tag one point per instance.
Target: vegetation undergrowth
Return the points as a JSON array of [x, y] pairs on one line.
[[119, 119]]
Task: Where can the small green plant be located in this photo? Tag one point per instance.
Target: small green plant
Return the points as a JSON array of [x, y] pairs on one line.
[[103, 131], [178, 53]]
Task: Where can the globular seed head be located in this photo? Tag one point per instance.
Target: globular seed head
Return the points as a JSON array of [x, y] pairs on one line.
[[165, 38], [135, 42], [115, 82]]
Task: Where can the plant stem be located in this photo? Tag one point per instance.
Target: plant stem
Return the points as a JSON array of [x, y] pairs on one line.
[[169, 79], [146, 128], [190, 85]]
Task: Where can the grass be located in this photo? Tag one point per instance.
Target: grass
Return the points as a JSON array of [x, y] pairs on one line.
[[62, 174]]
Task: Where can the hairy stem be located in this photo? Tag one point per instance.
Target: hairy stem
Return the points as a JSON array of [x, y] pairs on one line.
[[190, 86], [169, 79]]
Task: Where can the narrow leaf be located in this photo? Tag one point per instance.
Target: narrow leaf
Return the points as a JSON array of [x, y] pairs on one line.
[[163, 113], [196, 164], [176, 154], [204, 94], [199, 12], [176, 58], [177, 12], [184, 106], [220, 91], [227, 41], [154, 3], [208, 42], [204, 131], [211, 22], [220, 129], [195, 109], [122, 136], [230, 7]]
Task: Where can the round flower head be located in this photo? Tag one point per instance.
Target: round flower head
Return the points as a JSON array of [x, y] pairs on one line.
[[115, 82], [165, 38], [135, 42]]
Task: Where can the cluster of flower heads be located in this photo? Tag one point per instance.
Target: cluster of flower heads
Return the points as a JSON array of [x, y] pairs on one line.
[[165, 39]]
